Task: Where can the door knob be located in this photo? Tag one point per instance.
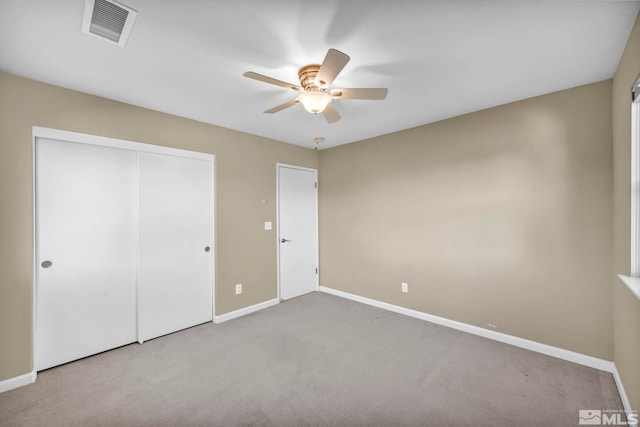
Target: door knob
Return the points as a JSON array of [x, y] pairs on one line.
[[285, 240], [207, 249], [46, 264]]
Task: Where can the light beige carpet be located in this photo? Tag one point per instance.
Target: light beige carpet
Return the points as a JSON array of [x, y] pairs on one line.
[[317, 360]]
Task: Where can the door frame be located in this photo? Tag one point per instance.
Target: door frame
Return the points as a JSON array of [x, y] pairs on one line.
[[82, 138], [315, 172]]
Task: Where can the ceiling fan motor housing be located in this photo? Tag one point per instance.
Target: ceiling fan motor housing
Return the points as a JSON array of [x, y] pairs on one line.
[[307, 76]]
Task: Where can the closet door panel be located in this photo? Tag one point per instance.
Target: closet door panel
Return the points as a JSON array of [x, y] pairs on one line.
[[86, 250], [175, 276]]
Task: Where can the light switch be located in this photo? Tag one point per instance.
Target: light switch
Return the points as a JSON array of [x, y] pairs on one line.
[[268, 225]]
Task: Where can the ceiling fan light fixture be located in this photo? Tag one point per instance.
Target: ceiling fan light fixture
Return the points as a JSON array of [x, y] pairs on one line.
[[315, 101], [315, 81]]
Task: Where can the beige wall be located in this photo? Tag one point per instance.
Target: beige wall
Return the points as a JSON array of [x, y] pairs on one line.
[[626, 308], [245, 175], [503, 216]]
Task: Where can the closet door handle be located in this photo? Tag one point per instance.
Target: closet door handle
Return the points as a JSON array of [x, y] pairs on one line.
[[207, 249], [284, 241], [46, 264]]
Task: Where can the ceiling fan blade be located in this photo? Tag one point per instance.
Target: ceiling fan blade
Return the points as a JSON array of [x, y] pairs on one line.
[[330, 114], [333, 63], [360, 93], [271, 80], [282, 106]]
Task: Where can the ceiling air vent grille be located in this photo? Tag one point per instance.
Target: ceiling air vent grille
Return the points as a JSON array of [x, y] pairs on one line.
[[108, 20]]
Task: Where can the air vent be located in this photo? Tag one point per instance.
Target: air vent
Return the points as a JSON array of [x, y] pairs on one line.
[[108, 20]]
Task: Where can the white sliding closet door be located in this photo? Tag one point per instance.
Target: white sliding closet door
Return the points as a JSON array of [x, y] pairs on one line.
[[86, 250], [175, 278]]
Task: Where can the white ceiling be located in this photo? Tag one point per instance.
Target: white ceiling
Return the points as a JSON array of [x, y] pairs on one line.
[[439, 59]]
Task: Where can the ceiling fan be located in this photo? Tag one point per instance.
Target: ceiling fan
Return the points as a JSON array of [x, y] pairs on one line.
[[314, 82]]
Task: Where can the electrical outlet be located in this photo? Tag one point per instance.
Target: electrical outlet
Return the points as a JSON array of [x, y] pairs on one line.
[[268, 225], [238, 288], [405, 287]]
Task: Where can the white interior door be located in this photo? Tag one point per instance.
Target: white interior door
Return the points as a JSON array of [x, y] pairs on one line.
[[297, 231], [175, 282], [86, 250]]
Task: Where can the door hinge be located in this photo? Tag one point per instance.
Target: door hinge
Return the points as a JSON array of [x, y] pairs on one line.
[[315, 185], [316, 271]]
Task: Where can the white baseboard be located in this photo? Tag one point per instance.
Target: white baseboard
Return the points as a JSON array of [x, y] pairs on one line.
[[623, 394], [18, 381], [244, 311], [560, 353]]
